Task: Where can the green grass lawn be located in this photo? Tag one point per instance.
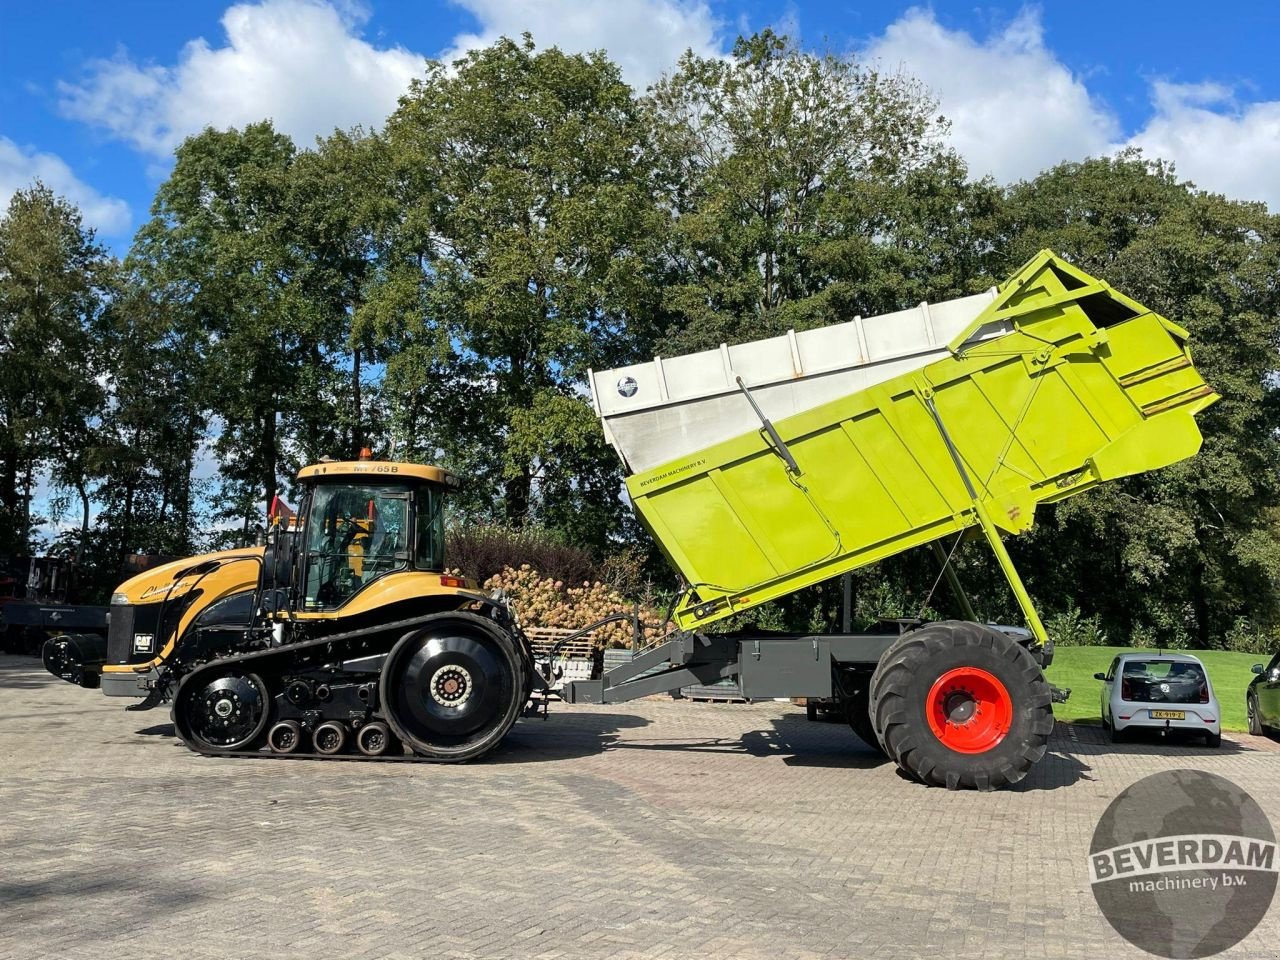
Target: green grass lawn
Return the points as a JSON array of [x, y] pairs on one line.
[[1074, 667]]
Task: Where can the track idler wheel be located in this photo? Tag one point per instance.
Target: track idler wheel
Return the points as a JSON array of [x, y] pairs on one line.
[[330, 737], [221, 711], [960, 705], [374, 739], [453, 689], [285, 736]]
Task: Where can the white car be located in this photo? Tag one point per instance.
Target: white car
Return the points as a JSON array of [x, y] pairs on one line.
[[1167, 691]]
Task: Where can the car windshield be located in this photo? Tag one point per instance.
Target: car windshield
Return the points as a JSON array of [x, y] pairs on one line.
[[1163, 681]]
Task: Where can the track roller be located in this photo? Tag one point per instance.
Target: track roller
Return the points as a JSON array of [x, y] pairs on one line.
[[330, 737], [285, 736], [373, 739]]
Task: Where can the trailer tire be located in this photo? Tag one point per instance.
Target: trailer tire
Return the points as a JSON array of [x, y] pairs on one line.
[[857, 707], [961, 706]]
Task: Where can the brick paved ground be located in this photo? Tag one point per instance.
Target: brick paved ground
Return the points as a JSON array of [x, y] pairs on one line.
[[658, 829]]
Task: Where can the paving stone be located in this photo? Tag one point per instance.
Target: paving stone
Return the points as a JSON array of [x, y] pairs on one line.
[[653, 829]]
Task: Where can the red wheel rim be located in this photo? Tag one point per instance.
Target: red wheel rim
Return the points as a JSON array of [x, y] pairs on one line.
[[969, 710]]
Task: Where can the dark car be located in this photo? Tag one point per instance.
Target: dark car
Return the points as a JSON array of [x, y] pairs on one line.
[[1262, 699]]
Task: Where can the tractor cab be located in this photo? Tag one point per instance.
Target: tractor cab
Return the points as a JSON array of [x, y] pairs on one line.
[[359, 522]]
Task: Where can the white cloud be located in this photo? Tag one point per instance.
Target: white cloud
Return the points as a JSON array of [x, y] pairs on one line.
[[1214, 142], [1014, 108], [301, 63], [21, 166], [645, 37]]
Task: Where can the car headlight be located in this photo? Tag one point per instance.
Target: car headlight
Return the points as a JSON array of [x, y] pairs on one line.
[[119, 599]]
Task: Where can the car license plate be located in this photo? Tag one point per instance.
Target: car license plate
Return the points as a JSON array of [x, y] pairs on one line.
[[1168, 715]]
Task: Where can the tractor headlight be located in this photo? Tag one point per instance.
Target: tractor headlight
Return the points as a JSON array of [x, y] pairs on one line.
[[119, 599]]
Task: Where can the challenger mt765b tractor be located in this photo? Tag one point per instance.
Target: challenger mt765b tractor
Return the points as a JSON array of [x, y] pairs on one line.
[[759, 469], [344, 632]]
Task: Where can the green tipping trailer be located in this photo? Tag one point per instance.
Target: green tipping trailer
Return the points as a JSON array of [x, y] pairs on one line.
[[1058, 383]]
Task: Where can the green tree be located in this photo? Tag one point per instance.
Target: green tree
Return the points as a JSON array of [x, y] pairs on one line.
[[346, 217], [227, 253], [151, 429], [54, 283], [529, 225], [1182, 553], [807, 189]]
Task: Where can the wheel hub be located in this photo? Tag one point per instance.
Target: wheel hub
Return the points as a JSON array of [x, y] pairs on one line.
[[451, 685], [960, 706], [969, 710]]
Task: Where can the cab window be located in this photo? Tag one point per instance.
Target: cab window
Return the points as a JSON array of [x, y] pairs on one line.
[[430, 513], [355, 534]]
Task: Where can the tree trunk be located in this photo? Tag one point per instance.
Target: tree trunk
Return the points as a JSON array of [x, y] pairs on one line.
[[269, 455], [516, 493], [1200, 604], [357, 414], [84, 522], [126, 526], [24, 532], [9, 498], [182, 488]]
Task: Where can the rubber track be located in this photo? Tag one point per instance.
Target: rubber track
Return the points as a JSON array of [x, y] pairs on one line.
[[224, 662]]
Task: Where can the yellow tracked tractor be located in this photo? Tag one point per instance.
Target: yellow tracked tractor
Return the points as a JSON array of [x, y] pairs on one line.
[[343, 633]]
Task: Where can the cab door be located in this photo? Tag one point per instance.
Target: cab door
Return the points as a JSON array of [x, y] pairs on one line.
[[356, 533]]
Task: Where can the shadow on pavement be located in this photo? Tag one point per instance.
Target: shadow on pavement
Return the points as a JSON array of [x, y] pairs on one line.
[[563, 736], [798, 741], [1149, 742], [158, 730], [41, 908], [23, 673]]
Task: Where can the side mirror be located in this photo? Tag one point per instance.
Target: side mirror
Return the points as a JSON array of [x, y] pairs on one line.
[[1258, 668], [1099, 676]]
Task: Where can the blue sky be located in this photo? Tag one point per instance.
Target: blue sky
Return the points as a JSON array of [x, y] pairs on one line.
[[93, 96]]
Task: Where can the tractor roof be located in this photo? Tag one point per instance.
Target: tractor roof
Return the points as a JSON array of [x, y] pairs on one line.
[[377, 469]]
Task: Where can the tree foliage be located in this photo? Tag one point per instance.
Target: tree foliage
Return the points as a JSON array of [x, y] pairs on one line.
[[54, 284], [1182, 553], [438, 289], [526, 201], [804, 190]]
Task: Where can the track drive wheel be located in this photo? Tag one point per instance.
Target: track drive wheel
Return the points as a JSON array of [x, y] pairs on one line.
[[453, 689], [959, 705], [222, 711]]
